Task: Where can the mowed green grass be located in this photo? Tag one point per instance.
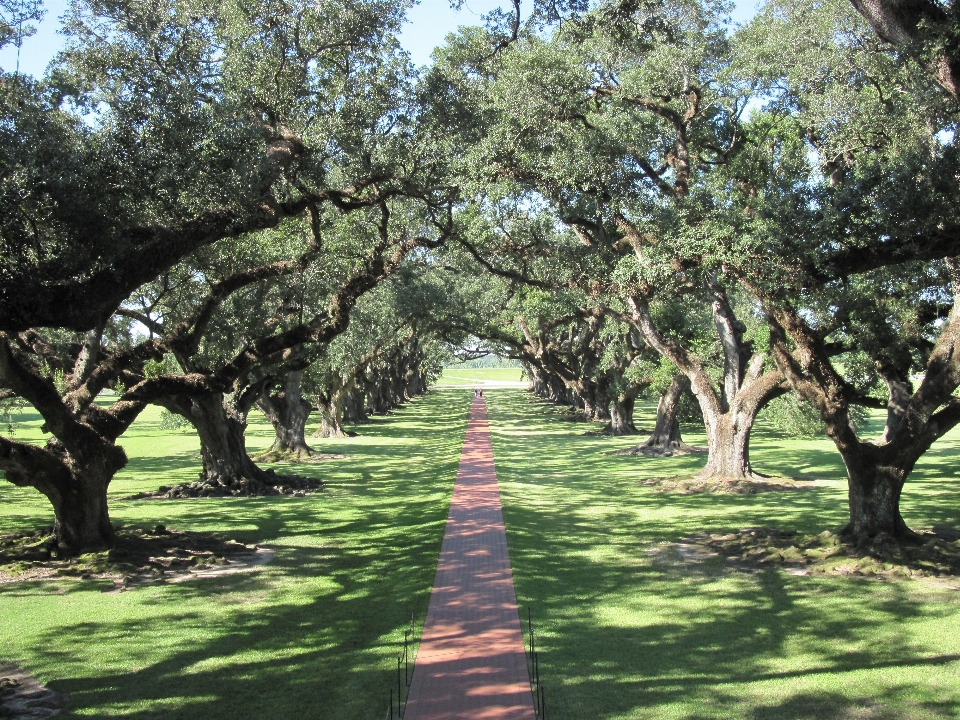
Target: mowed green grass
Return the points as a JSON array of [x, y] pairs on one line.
[[463, 376], [314, 634], [623, 635]]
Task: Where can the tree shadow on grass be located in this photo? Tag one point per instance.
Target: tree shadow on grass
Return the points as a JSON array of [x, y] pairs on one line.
[[619, 632], [889, 705], [622, 634], [314, 634], [260, 661], [311, 635]]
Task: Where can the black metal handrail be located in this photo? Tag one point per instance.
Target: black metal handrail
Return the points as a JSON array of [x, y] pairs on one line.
[[533, 668], [405, 667]]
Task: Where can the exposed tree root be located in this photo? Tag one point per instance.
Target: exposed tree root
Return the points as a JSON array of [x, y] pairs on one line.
[[285, 455], [319, 435], [297, 457], [270, 484], [689, 485], [931, 554], [139, 556], [22, 696], [669, 450]]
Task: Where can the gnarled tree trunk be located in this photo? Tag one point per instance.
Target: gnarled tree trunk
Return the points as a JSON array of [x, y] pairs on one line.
[[76, 488], [330, 408], [227, 467], [728, 437], [665, 440], [288, 412], [74, 469], [876, 471], [354, 410], [873, 495], [746, 389], [377, 397], [621, 417]]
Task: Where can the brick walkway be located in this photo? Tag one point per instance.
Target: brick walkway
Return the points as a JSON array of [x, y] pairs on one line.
[[471, 664]]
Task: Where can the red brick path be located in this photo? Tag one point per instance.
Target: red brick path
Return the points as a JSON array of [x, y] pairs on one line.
[[471, 664]]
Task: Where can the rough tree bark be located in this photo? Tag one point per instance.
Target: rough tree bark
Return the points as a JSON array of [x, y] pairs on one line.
[[600, 398], [228, 469], [623, 392], [621, 417], [330, 407], [73, 470], [923, 29], [354, 408], [876, 470], [378, 397], [665, 440], [76, 486], [538, 385], [288, 412], [729, 414]]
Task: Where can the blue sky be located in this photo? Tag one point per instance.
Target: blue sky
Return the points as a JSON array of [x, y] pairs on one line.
[[427, 26]]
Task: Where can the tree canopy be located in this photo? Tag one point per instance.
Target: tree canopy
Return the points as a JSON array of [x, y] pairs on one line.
[[218, 206]]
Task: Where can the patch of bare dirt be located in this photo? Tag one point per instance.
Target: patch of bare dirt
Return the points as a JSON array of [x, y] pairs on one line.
[[690, 485], [22, 697], [292, 485], [648, 451], [293, 458], [139, 557], [933, 556]]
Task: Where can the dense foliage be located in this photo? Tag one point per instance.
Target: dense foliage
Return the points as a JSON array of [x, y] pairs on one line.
[[216, 206]]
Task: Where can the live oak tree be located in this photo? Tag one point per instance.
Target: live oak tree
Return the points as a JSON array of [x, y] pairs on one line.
[[849, 240], [164, 130], [574, 349], [167, 127], [617, 120], [368, 354], [924, 31], [75, 467], [220, 415], [747, 381], [665, 438]]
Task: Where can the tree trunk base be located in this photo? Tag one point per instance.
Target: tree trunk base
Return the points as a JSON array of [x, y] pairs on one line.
[[276, 454], [322, 434], [611, 430], [268, 483], [933, 556], [673, 449], [719, 485], [865, 537], [750, 476]]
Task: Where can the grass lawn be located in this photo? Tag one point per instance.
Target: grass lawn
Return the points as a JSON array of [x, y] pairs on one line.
[[624, 635], [465, 376], [314, 634]]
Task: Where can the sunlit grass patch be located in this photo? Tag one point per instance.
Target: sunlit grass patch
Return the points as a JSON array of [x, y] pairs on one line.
[[312, 634], [629, 633]]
